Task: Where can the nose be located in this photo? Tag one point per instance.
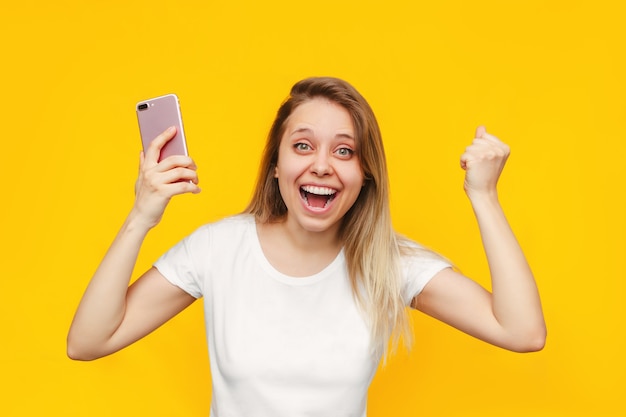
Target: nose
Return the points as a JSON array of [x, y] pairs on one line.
[[321, 165]]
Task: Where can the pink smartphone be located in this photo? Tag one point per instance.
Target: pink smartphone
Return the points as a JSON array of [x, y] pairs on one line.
[[157, 114]]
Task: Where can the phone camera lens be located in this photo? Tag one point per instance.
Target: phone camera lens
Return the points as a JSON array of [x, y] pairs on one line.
[[142, 106]]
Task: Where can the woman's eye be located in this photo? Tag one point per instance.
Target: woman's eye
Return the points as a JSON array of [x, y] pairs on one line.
[[344, 152], [302, 146]]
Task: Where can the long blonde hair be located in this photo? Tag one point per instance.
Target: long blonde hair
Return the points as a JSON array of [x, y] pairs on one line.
[[371, 246]]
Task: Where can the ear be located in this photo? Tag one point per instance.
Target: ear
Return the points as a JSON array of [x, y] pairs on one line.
[[276, 172]]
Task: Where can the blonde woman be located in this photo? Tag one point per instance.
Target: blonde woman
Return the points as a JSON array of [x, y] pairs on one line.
[[304, 289]]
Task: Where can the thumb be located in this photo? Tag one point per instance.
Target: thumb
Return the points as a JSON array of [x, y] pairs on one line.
[[480, 131]]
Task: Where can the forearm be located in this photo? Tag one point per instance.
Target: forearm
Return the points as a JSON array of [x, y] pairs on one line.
[[515, 298], [103, 305]]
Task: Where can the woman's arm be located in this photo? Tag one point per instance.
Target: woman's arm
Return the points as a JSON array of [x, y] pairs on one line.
[[111, 315], [510, 316]]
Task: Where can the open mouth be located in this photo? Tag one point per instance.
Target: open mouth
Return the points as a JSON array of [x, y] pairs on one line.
[[317, 197]]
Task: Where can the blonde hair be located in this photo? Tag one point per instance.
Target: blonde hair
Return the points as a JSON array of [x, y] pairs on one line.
[[371, 246]]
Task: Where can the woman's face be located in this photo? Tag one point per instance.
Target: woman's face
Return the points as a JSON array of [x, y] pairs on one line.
[[319, 174]]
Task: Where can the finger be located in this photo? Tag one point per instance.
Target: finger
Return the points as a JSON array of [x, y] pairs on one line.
[[471, 151], [174, 161], [183, 187], [179, 174], [142, 159], [487, 149], [473, 154], [490, 143], [491, 138], [188, 187], [479, 147], [465, 159], [173, 165], [481, 133], [154, 150]]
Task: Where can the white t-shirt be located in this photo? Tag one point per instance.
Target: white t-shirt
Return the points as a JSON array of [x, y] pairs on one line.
[[279, 346]]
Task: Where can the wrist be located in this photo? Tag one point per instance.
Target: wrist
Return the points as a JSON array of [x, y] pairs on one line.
[[136, 223], [486, 198]]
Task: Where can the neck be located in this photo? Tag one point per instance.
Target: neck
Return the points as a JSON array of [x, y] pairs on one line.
[[297, 252], [311, 241]]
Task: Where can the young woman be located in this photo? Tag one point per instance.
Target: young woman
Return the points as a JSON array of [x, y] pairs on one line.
[[306, 287]]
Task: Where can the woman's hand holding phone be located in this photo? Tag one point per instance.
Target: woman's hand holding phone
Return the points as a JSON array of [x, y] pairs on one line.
[[159, 181]]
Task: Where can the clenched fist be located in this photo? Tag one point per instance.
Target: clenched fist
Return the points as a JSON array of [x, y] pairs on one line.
[[483, 162]]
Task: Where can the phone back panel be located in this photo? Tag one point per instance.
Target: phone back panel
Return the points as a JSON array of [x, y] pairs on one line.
[[157, 114]]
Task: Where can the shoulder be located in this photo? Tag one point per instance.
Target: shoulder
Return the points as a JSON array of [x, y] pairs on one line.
[[418, 266], [189, 264], [412, 252], [227, 227], [216, 236]]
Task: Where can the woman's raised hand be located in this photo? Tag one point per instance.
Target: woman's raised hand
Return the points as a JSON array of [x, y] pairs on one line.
[[483, 162], [110, 315], [159, 181]]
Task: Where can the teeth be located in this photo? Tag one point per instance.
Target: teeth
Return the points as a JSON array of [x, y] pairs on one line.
[[318, 190]]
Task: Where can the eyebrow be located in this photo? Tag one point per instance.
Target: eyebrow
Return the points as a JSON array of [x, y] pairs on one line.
[[308, 130]]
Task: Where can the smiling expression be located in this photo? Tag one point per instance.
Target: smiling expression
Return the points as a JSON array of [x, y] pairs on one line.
[[318, 171]]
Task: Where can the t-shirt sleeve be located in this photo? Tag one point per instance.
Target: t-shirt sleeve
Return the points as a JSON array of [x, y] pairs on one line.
[[182, 265], [418, 270]]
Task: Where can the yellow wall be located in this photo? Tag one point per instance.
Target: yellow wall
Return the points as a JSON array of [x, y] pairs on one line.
[[547, 77]]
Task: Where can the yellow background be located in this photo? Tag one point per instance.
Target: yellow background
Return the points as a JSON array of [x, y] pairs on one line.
[[546, 77]]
